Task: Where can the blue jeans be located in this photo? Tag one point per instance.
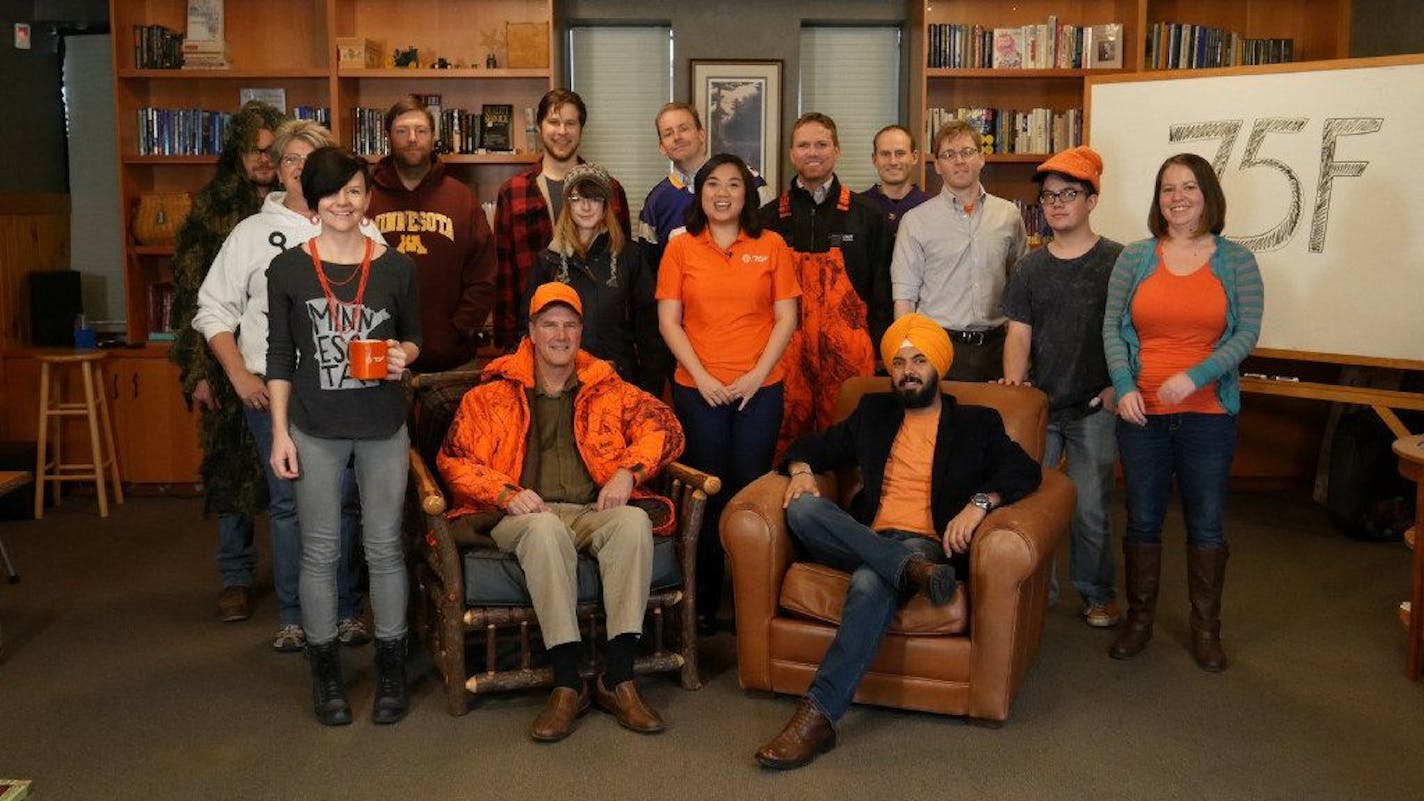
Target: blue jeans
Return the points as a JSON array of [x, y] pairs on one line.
[[875, 561], [381, 474], [237, 555], [287, 531], [736, 446], [1198, 448], [1091, 450]]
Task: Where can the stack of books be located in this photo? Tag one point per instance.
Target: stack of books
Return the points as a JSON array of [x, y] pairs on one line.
[[181, 131]]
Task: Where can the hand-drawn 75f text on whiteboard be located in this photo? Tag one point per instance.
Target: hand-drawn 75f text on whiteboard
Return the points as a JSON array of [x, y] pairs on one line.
[[1330, 169]]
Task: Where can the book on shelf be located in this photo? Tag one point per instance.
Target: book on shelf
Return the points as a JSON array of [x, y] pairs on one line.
[[275, 96], [205, 20], [1174, 45], [368, 131], [1102, 45], [496, 127], [433, 103], [1008, 49]]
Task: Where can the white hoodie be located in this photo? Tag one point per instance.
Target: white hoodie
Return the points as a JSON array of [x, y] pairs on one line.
[[233, 298]]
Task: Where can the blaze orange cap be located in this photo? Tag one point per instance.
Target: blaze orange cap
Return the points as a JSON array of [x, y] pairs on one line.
[[555, 292]]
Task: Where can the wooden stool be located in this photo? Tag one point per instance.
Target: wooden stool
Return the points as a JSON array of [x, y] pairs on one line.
[[49, 463]]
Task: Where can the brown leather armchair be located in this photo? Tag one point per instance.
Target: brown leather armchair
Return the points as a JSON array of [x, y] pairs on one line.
[[966, 658]]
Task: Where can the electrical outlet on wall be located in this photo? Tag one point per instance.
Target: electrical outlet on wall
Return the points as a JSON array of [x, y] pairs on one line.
[[22, 36]]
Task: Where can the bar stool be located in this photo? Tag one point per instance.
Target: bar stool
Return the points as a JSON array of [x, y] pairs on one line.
[[49, 462]]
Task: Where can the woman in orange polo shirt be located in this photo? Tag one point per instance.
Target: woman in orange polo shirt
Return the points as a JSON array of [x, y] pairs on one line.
[[727, 295]]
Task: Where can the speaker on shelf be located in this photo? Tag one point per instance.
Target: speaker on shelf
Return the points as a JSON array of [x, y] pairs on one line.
[[55, 301]]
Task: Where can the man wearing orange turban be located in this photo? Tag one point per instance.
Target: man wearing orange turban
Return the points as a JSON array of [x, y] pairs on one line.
[[932, 470]]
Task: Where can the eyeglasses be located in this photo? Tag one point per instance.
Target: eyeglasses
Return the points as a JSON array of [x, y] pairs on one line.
[[269, 153], [293, 159], [966, 153], [593, 201], [1065, 196]]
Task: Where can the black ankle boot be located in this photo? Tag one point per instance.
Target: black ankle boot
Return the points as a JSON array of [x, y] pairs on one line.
[[392, 701], [328, 692]]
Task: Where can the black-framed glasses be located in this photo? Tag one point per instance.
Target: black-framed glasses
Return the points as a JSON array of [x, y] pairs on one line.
[[1064, 195]]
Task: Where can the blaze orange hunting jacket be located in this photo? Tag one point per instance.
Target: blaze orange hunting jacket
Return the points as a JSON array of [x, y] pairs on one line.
[[615, 425]]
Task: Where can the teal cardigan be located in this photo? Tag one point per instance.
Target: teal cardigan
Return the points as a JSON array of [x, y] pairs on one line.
[[1235, 267]]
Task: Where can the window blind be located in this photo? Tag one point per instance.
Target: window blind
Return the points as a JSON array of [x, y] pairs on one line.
[[853, 76]]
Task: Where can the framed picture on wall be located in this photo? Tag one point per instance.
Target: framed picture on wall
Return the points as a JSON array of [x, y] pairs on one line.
[[740, 105]]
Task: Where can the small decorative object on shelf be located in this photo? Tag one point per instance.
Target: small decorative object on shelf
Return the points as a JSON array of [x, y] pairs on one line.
[[441, 64], [358, 52], [409, 57], [491, 62]]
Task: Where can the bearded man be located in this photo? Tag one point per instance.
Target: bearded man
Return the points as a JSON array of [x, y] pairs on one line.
[[933, 469]]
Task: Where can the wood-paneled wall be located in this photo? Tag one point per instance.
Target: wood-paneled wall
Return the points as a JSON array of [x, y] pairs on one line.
[[34, 235]]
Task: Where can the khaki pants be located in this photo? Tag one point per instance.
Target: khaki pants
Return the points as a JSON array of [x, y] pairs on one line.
[[547, 546]]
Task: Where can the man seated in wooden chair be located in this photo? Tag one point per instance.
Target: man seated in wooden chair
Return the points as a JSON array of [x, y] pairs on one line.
[[554, 446], [932, 470]]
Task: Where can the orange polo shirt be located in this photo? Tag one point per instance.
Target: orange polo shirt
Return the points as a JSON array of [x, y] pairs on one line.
[[727, 299], [905, 495], [1179, 319]]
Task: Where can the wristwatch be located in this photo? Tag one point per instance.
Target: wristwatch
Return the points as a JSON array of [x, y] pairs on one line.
[[982, 500]]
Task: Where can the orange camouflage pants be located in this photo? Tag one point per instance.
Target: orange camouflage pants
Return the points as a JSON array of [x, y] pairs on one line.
[[831, 345]]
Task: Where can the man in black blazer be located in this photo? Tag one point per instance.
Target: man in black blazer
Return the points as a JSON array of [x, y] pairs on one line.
[[932, 469]]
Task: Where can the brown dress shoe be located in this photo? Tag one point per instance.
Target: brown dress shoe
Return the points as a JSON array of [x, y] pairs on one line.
[[563, 708], [626, 704], [806, 735], [235, 603], [934, 579]]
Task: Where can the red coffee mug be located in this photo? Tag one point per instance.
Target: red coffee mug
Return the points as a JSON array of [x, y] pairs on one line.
[[368, 359]]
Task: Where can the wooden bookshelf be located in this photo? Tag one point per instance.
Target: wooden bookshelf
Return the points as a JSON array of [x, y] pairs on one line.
[[291, 45], [1320, 28]]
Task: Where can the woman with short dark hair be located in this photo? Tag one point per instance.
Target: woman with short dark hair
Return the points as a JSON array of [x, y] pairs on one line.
[[337, 288], [1183, 309]]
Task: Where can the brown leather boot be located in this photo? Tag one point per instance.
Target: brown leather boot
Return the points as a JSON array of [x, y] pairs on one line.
[[1143, 563], [561, 711], [934, 579], [1206, 574], [806, 735], [626, 704]]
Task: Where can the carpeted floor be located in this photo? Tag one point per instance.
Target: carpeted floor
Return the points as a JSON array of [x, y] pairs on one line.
[[117, 683]]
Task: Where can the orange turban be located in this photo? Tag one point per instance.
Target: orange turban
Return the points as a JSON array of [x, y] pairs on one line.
[[921, 333]]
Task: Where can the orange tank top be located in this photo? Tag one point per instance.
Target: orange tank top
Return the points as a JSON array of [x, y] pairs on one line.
[[1179, 319], [905, 495]]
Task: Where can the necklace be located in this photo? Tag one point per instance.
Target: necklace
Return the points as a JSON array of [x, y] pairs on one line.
[[332, 304]]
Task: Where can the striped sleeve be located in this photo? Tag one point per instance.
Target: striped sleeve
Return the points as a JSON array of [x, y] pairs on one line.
[[1250, 305], [1114, 345]]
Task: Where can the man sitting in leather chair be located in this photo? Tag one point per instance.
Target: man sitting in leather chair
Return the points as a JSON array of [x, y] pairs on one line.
[[553, 444], [932, 470]]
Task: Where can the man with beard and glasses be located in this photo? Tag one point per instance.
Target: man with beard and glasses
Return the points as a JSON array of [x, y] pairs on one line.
[[234, 484], [932, 470], [529, 203], [436, 221]]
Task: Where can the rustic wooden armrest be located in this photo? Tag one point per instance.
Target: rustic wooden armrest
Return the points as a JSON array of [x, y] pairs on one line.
[[432, 500]]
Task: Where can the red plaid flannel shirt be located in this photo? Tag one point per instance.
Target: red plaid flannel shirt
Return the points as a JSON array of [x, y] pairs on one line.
[[522, 229]]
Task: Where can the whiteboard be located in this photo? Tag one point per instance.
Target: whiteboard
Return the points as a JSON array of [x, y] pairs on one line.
[[1323, 171]]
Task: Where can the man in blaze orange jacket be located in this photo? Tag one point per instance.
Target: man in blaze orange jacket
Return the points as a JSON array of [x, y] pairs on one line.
[[559, 444]]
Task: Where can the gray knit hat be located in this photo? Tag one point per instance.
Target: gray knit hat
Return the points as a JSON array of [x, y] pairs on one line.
[[589, 174]]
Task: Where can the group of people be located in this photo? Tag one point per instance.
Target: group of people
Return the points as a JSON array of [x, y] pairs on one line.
[[747, 310]]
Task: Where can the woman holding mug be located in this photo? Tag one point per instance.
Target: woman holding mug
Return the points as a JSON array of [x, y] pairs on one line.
[[727, 295], [327, 300], [1183, 309]]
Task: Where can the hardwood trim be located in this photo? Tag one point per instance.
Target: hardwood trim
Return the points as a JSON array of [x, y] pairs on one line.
[[34, 203], [1388, 398], [1339, 358]]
